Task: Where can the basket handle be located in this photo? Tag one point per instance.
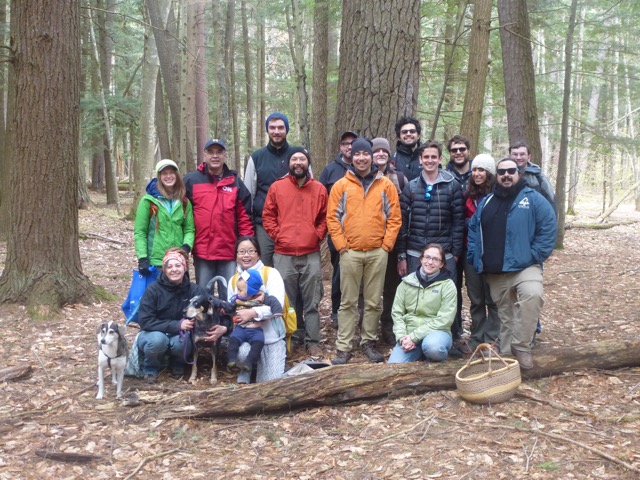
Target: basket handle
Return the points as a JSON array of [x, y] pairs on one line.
[[486, 346]]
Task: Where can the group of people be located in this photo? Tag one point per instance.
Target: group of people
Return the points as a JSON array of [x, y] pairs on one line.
[[402, 232]]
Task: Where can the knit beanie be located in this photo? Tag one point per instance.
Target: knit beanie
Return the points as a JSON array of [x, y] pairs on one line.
[[293, 150], [279, 115], [254, 281], [379, 143], [361, 144], [485, 161]]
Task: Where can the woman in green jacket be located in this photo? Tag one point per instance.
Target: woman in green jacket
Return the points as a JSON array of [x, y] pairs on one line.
[[164, 218], [424, 309]]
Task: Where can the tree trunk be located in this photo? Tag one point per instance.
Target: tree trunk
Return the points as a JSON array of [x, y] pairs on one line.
[[296, 48], [379, 65], [262, 110], [248, 78], [5, 164], [162, 123], [188, 87], [319, 144], [229, 43], [222, 121], [561, 180], [366, 382], [44, 215], [519, 78], [476, 74], [202, 97]]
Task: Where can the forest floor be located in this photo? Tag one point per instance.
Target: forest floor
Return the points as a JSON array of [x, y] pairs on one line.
[[589, 426]]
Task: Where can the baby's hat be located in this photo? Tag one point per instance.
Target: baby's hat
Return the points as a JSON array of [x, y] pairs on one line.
[[254, 281]]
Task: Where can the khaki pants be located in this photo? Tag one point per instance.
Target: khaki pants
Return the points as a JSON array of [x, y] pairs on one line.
[[519, 297], [366, 269]]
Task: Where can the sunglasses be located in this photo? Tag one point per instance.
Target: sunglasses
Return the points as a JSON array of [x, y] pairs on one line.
[[410, 130], [504, 171], [427, 195], [459, 149]]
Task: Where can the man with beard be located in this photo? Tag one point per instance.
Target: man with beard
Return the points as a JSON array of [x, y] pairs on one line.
[[264, 167], [295, 217], [407, 155], [458, 147], [511, 235], [363, 218], [330, 175]]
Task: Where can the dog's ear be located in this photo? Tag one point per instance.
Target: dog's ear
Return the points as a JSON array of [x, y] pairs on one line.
[[101, 327]]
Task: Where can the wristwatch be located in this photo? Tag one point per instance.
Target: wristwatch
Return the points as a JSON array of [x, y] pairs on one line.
[[402, 256]]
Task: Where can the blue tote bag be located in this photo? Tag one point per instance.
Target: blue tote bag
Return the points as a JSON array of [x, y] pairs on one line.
[[139, 284]]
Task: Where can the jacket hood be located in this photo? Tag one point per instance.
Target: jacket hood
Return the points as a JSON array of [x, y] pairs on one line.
[[407, 149], [444, 176], [533, 168], [152, 189]]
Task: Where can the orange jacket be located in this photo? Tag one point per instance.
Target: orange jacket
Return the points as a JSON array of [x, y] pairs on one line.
[[363, 220], [295, 217]]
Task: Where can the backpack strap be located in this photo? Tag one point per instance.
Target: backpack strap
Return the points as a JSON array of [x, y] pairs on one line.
[[153, 212]]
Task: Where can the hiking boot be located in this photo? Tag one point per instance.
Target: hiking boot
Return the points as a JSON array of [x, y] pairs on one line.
[[314, 350], [150, 378], [389, 338], [341, 357], [372, 354], [525, 359]]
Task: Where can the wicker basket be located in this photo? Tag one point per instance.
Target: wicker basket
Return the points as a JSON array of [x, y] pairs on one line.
[[488, 380]]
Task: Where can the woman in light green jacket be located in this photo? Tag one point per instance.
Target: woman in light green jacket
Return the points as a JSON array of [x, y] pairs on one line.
[[423, 310], [164, 218]]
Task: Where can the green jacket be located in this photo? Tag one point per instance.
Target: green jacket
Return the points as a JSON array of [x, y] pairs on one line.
[[421, 308], [154, 233]]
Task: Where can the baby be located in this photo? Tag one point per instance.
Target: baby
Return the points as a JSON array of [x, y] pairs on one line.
[[250, 294]]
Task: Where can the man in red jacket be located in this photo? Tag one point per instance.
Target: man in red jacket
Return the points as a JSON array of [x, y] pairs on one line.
[[221, 212], [295, 217]]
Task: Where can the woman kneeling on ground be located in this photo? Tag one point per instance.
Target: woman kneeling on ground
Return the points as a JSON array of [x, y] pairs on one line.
[[162, 342], [423, 310], [274, 353]]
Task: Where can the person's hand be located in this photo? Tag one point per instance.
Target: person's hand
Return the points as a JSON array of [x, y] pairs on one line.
[[245, 315], [143, 266], [186, 324], [343, 251], [214, 333], [407, 344], [402, 267]]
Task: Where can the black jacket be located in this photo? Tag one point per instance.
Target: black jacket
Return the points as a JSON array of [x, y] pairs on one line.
[[270, 163], [163, 303], [407, 161], [333, 172], [437, 220]]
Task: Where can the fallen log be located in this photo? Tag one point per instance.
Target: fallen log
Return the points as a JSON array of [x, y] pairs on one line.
[[364, 382], [15, 373]]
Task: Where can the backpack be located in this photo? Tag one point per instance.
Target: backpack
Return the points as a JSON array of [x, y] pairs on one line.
[[288, 312]]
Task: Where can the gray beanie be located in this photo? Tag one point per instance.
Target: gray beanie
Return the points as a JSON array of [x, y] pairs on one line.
[[380, 143], [485, 161], [361, 144]]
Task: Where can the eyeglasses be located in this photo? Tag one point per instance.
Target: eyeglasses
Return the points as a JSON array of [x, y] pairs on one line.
[[242, 253], [504, 171], [459, 149], [427, 195], [409, 130], [429, 259], [345, 144]]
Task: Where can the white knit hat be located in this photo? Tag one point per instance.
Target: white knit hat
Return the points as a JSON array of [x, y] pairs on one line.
[[485, 161]]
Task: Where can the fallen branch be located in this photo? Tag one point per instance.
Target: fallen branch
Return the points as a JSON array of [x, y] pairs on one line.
[[84, 236], [553, 404], [15, 373], [146, 460], [66, 457]]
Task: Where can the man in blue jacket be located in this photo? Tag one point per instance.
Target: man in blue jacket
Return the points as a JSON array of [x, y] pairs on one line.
[[511, 235]]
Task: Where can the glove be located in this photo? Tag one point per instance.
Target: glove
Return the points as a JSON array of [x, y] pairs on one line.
[[186, 248], [143, 266]]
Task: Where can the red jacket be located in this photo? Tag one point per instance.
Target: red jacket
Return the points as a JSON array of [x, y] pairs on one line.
[[221, 212], [295, 217]]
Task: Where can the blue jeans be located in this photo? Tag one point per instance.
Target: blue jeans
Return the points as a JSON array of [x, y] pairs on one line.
[[434, 346], [207, 269], [160, 351]]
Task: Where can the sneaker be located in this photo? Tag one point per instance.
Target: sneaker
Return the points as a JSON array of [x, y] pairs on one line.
[[150, 378], [314, 350], [341, 357], [525, 359], [372, 354]]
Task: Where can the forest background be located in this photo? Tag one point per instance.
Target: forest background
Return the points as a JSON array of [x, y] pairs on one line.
[[155, 79]]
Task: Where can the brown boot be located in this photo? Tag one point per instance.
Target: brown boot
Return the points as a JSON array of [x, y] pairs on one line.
[[525, 359], [341, 358], [372, 354]]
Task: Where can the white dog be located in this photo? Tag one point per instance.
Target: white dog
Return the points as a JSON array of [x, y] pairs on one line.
[[113, 352]]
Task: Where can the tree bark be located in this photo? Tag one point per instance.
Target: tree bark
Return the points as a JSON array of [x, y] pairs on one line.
[[249, 85], [229, 43], [296, 48], [45, 103], [476, 74], [319, 145], [162, 123], [519, 78], [379, 65], [5, 164], [260, 74], [561, 180], [365, 382], [221, 129], [202, 97]]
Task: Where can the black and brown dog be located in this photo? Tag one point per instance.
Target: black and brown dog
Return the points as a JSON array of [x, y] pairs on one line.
[[208, 311]]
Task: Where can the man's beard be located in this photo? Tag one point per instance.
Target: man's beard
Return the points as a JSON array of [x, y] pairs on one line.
[[508, 191], [298, 175]]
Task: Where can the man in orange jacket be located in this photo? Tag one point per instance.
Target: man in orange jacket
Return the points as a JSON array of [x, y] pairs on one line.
[[363, 218], [295, 217]]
